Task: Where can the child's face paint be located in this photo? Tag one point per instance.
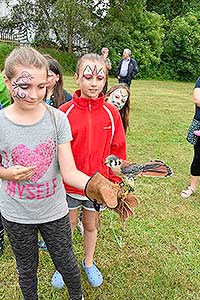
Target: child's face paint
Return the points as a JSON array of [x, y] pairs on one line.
[[28, 85], [88, 73], [20, 85], [91, 79], [118, 98]]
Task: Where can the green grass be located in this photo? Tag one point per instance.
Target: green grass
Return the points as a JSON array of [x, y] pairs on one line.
[[160, 253]]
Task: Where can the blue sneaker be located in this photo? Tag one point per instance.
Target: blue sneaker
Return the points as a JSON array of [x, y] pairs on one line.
[[94, 276], [57, 280]]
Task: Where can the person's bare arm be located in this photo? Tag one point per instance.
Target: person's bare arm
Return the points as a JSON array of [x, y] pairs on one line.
[[196, 96], [70, 174]]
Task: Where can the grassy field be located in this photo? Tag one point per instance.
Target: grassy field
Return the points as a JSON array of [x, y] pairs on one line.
[[159, 256]]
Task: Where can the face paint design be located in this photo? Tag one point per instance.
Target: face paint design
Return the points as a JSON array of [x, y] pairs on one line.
[[118, 98], [20, 85], [89, 73]]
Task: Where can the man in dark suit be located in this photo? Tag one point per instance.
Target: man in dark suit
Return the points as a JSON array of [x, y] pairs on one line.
[[127, 68]]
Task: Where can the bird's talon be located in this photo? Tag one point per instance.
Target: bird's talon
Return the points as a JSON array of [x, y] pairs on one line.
[[125, 193]]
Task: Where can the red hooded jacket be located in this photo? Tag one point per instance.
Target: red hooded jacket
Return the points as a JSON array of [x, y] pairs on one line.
[[97, 132]]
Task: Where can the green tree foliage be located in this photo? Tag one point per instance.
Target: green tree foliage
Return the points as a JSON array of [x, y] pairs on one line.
[[64, 23], [173, 8], [128, 25], [163, 35], [181, 59]]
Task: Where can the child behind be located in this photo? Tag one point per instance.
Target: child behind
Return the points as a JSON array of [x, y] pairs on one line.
[[36, 156], [56, 94], [119, 96]]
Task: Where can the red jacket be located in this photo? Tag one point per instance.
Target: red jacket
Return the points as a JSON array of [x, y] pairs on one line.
[[97, 132]]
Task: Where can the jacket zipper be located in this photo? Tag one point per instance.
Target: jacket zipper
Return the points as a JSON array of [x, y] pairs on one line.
[[90, 128]]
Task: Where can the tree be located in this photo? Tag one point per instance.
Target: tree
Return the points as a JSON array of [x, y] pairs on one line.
[[173, 8], [66, 23], [182, 47], [128, 25]]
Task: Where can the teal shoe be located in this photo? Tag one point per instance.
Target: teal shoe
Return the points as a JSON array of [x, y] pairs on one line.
[[57, 280], [94, 276]]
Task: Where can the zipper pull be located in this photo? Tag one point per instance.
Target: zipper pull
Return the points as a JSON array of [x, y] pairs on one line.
[[90, 106]]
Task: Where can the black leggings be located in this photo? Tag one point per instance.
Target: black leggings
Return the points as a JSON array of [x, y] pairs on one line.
[[195, 166], [57, 236]]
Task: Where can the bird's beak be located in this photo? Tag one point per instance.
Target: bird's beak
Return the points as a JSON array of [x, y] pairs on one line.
[[106, 162]]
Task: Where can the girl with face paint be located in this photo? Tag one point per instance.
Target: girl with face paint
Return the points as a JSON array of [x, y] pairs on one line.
[[97, 131], [36, 158], [119, 96]]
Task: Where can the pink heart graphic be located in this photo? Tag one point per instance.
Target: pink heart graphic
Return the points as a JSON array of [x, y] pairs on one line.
[[41, 157]]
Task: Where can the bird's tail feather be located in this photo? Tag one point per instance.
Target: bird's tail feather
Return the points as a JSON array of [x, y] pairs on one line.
[[156, 168]]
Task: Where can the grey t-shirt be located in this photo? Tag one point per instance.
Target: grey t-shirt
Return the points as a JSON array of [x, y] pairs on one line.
[[42, 198]]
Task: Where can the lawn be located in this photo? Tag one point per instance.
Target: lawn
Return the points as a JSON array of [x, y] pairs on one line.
[[159, 255]]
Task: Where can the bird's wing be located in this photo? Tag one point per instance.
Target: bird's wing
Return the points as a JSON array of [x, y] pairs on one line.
[[152, 168], [129, 169], [127, 163], [156, 168]]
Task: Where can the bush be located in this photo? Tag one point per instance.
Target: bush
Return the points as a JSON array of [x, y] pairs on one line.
[[143, 34], [182, 47], [66, 60], [5, 50]]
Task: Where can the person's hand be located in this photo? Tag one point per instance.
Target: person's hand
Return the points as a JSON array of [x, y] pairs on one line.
[[101, 191], [19, 173]]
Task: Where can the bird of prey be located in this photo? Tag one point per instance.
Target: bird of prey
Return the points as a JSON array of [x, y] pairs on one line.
[[128, 170]]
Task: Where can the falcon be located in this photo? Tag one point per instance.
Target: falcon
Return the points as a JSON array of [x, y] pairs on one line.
[[128, 170]]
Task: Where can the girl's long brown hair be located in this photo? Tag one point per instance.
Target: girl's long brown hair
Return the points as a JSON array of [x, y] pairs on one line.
[[55, 67]]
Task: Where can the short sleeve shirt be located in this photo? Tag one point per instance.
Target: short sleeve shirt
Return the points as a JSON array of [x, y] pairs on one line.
[[42, 198]]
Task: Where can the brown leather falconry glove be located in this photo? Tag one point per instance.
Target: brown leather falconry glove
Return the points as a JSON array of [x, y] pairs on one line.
[[126, 204], [101, 191]]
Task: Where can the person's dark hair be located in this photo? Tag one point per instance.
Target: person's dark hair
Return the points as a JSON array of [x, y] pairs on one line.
[[125, 111], [58, 95]]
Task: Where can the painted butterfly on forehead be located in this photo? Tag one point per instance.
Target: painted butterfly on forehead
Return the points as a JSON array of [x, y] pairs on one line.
[[88, 71]]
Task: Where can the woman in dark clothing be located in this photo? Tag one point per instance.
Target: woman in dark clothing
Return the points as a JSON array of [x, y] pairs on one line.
[[195, 166]]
